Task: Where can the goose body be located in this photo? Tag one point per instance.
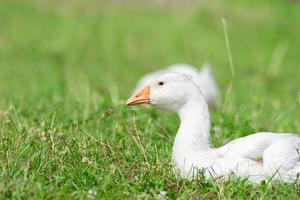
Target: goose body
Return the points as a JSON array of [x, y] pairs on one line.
[[257, 157], [203, 78]]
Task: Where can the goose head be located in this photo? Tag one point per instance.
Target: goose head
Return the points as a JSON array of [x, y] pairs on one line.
[[169, 91]]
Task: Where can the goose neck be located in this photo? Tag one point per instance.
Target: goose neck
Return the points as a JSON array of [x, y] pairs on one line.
[[194, 129]]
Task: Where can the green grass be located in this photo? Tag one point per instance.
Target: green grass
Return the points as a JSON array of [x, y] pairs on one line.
[[67, 67]]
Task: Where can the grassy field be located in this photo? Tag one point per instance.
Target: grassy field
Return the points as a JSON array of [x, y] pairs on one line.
[[67, 67]]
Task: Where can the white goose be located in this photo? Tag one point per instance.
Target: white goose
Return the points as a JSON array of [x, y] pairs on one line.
[[203, 78], [257, 157]]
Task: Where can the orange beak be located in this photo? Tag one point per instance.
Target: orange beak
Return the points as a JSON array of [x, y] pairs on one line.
[[142, 97]]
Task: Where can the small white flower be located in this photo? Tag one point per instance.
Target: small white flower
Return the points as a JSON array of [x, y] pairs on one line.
[[162, 194], [86, 160], [91, 194]]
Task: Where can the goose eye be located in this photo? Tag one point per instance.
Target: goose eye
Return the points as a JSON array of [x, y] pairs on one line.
[[161, 83]]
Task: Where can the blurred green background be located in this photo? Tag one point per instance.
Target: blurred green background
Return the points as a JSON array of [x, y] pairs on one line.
[[80, 59]]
